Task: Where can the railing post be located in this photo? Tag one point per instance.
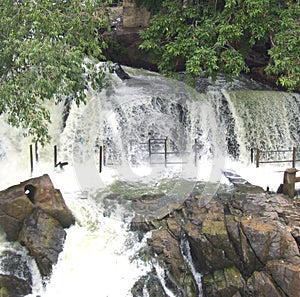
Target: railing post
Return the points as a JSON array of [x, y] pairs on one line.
[[104, 155], [195, 151], [257, 158], [149, 147], [36, 151], [166, 151], [55, 156], [100, 158], [31, 158], [294, 157], [251, 155]]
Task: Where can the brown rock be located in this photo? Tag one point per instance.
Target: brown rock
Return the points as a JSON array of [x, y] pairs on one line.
[[11, 286], [286, 275], [44, 195], [269, 240], [224, 283], [14, 208], [168, 250], [261, 285], [44, 237]]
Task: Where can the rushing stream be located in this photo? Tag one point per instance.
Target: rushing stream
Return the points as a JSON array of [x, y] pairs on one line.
[[196, 133]]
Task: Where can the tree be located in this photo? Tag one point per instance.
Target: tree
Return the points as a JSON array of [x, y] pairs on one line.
[[49, 50], [219, 37]]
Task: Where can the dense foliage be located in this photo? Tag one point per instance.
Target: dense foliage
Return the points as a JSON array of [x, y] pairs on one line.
[[49, 50], [219, 37]]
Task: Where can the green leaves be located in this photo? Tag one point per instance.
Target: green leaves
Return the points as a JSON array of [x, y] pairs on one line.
[[285, 53], [218, 37], [44, 46]]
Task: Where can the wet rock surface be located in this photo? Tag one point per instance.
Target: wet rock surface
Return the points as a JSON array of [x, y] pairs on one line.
[[34, 214], [244, 243], [15, 276]]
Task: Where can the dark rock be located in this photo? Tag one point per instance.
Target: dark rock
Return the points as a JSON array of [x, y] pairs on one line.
[[151, 284], [13, 264], [169, 252], [44, 237], [260, 284], [244, 244], [123, 48], [223, 283], [14, 208], [120, 72], [11, 286], [286, 275]]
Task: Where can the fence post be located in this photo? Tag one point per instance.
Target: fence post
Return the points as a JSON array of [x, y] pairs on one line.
[[104, 155], [294, 157], [100, 159], [36, 151], [55, 156], [31, 158], [257, 158], [166, 150], [195, 151], [251, 155], [149, 147]]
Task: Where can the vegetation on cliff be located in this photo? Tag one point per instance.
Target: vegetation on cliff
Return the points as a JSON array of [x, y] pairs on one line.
[[44, 45], [224, 37]]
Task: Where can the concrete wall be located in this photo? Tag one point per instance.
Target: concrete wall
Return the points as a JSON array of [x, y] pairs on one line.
[[133, 16]]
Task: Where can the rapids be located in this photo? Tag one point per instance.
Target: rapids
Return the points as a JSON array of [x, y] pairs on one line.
[[211, 128]]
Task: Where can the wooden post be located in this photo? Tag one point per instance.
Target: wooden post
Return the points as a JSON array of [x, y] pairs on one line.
[[195, 151], [149, 147], [294, 158], [168, 144], [289, 180], [257, 157], [100, 159], [55, 156], [31, 158], [104, 156], [251, 155], [166, 151], [36, 151]]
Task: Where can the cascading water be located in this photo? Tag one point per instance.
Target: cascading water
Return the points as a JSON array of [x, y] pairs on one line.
[[211, 128]]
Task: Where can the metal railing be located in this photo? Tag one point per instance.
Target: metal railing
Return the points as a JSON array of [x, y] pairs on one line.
[[257, 156], [155, 146]]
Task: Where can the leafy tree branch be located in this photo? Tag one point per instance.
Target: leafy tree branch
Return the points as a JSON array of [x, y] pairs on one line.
[[49, 50], [219, 36]]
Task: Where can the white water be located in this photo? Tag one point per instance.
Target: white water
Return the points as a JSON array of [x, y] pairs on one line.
[[99, 257], [186, 253]]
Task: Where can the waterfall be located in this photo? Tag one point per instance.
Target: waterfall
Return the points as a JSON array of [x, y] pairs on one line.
[[187, 256], [210, 128]]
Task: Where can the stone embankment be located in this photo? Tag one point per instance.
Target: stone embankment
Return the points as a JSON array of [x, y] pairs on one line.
[[244, 243], [34, 214]]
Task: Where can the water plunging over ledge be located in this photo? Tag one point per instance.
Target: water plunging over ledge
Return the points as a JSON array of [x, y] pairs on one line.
[[223, 120]]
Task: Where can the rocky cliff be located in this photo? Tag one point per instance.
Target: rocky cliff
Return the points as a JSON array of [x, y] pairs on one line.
[[244, 243]]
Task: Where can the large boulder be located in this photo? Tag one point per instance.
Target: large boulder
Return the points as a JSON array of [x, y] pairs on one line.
[[18, 202], [35, 214], [44, 237], [14, 208], [42, 193]]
